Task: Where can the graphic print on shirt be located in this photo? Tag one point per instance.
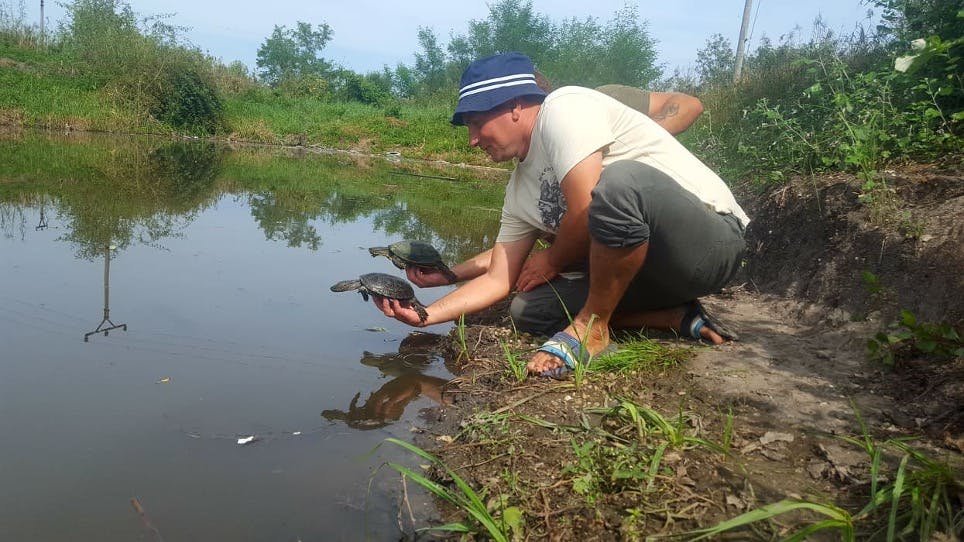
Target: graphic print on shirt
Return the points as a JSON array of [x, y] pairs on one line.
[[552, 202]]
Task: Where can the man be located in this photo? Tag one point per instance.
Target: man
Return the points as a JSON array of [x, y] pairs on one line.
[[658, 227]]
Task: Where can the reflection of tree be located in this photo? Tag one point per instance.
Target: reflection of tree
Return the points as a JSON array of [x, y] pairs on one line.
[[398, 220], [188, 167], [129, 199], [281, 221], [127, 192]]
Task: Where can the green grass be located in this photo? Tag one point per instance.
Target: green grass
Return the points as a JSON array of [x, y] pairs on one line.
[[638, 353], [462, 497], [417, 131]]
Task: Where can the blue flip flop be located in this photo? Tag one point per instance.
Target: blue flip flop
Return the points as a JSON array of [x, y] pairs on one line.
[[696, 317], [567, 348]]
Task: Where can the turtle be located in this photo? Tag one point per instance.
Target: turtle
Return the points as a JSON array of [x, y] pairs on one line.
[[385, 285], [414, 253]]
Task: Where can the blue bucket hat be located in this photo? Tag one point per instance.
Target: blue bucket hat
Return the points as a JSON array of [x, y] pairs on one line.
[[490, 82]]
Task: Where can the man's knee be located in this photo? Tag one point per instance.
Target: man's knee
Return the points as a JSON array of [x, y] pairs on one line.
[[619, 210], [541, 311], [533, 313]]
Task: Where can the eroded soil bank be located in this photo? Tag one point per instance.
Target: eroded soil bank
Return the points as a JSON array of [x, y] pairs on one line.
[[824, 273]]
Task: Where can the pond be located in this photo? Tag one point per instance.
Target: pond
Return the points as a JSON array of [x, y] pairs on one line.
[[171, 346]]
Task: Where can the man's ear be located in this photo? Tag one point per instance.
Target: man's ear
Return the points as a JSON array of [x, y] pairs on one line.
[[517, 106]]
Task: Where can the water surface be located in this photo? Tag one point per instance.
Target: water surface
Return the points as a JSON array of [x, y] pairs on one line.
[[160, 301]]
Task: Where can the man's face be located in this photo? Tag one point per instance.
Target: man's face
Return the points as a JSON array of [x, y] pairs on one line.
[[495, 132]]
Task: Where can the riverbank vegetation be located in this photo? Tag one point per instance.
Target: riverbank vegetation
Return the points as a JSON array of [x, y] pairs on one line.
[[803, 104]]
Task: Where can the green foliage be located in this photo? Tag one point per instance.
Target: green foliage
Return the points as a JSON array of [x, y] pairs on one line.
[[187, 101], [371, 89], [917, 501], [517, 364], [639, 353], [908, 337], [574, 51], [294, 53], [144, 68], [836, 518], [462, 497], [716, 61], [829, 104], [15, 30]]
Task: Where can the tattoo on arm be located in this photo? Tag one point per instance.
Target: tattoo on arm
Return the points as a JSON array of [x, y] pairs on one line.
[[669, 110]]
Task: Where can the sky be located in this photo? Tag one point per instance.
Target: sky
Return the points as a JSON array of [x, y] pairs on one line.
[[370, 34]]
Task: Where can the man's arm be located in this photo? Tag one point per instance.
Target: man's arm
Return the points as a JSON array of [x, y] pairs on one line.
[[572, 239], [481, 292], [674, 111], [467, 270]]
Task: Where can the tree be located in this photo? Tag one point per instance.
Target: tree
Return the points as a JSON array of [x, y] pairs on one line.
[[429, 68], [512, 25], [628, 52], [576, 48], [715, 61], [294, 53]]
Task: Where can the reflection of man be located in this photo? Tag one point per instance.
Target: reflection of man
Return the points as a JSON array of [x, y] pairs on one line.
[[388, 403]]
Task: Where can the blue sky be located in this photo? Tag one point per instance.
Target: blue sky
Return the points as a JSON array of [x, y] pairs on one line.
[[369, 34]]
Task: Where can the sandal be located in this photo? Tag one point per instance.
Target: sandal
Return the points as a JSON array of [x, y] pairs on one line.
[[696, 317], [567, 348]]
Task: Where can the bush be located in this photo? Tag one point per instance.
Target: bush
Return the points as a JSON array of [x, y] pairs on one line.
[[831, 103], [185, 101], [147, 68]]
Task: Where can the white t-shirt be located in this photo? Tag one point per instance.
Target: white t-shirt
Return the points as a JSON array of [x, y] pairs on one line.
[[575, 122]]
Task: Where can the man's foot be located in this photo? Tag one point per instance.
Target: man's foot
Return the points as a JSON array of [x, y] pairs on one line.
[[575, 344], [696, 323]]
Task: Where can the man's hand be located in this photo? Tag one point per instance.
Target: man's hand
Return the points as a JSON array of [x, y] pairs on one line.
[[394, 308], [424, 277], [536, 271]]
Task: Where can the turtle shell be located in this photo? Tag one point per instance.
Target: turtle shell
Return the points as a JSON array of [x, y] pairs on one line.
[[384, 285], [387, 285], [414, 253]]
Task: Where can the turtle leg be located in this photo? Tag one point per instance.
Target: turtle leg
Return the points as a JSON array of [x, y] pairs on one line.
[[420, 309]]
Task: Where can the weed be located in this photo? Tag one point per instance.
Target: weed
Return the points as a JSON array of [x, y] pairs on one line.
[[579, 371], [484, 425], [648, 422], [639, 353], [836, 518], [908, 337], [922, 491], [462, 497], [919, 499], [460, 333], [517, 366]]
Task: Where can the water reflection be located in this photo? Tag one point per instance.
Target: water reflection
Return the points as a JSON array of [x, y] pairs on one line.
[[188, 167], [106, 326], [42, 223], [416, 353], [223, 258]]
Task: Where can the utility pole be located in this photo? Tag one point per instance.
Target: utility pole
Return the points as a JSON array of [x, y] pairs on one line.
[[741, 44], [42, 40]]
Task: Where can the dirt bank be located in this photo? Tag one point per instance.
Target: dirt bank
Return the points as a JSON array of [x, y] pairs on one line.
[[825, 272]]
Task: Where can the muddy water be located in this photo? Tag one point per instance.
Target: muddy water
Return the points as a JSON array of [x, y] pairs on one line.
[[168, 336]]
